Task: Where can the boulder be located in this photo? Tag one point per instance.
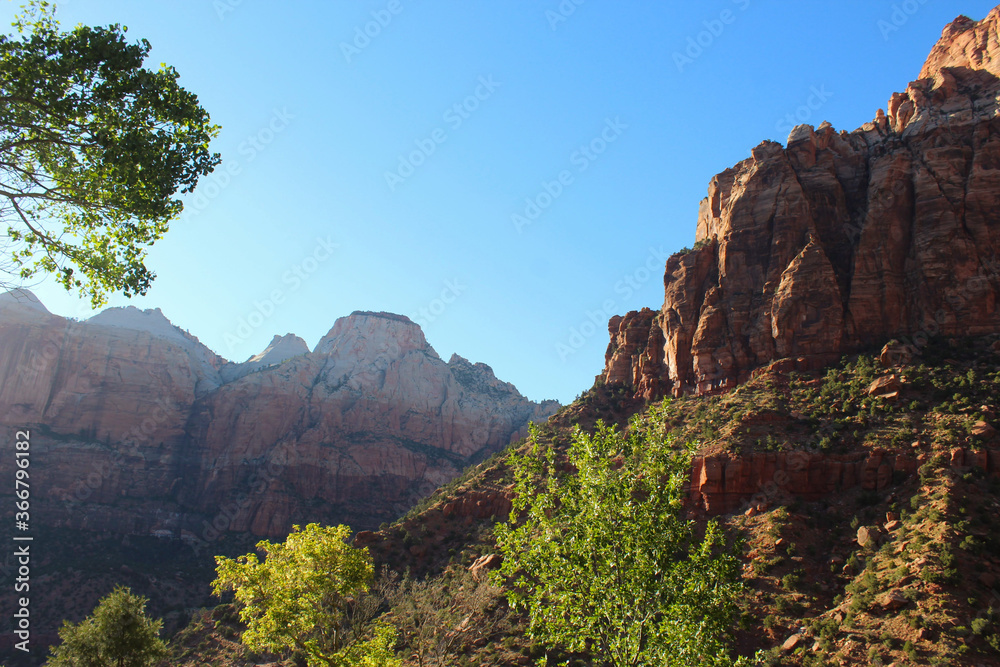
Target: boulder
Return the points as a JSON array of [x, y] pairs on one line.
[[481, 568], [983, 430], [892, 600], [885, 386], [870, 536], [791, 643]]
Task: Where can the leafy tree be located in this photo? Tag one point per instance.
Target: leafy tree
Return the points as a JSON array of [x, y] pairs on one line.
[[306, 595], [117, 634], [604, 561], [93, 149]]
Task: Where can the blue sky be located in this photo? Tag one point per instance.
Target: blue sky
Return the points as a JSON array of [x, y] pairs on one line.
[[508, 174]]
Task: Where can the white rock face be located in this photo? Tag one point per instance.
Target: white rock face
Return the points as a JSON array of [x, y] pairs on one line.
[[280, 348], [152, 321], [367, 336], [129, 322]]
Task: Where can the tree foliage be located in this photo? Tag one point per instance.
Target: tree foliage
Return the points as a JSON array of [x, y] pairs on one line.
[[598, 551], [117, 634], [93, 149], [308, 595]]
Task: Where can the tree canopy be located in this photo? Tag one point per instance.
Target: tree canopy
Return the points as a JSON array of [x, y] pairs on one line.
[[600, 554], [301, 597], [117, 634], [94, 149]]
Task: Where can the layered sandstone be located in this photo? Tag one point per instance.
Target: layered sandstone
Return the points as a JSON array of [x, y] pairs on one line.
[[840, 241], [141, 428], [722, 484]]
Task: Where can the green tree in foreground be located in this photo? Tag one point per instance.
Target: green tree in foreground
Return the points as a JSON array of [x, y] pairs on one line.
[[304, 597], [117, 634], [604, 561], [93, 149]]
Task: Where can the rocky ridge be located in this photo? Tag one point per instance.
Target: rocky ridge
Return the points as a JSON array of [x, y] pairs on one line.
[[142, 429]]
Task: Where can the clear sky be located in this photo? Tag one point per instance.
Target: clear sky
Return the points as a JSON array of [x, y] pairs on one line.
[[383, 171]]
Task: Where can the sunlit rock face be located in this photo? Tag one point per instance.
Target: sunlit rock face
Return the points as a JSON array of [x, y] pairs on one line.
[[840, 241], [138, 427]]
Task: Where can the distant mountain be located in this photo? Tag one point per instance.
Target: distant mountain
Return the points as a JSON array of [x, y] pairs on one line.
[[139, 428]]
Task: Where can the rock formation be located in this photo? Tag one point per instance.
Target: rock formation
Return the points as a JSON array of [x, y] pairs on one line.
[[839, 241], [139, 428], [722, 484]]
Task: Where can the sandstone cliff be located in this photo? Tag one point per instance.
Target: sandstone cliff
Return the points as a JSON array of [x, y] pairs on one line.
[[138, 427], [839, 241]]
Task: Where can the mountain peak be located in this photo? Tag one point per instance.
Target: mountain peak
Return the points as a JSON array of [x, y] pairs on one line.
[[371, 334], [23, 300], [279, 349], [383, 315], [150, 320], [870, 235], [966, 43]]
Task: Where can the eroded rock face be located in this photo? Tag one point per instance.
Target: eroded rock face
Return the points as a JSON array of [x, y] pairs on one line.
[[722, 484], [140, 428], [635, 353], [841, 241]]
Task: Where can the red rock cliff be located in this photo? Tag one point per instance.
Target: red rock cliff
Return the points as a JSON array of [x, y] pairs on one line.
[[840, 241]]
